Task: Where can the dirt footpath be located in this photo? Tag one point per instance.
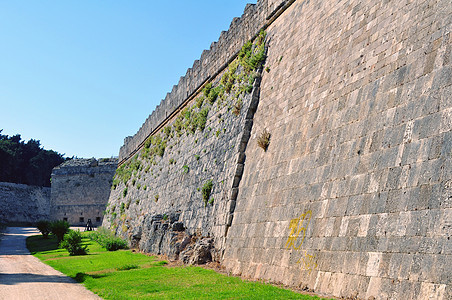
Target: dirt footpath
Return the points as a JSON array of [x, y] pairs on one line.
[[23, 276]]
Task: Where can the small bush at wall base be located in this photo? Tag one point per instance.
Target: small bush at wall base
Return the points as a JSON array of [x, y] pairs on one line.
[[107, 239], [72, 242], [263, 140], [59, 228], [114, 244], [44, 227]]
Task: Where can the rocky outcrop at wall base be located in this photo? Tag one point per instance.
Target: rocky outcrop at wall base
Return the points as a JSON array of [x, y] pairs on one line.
[[20, 203]]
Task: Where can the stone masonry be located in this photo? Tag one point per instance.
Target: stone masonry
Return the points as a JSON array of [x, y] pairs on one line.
[[20, 203], [80, 190], [353, 196]]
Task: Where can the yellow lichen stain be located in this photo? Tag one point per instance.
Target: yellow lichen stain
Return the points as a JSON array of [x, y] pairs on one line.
[[298, 228], [308, 262]]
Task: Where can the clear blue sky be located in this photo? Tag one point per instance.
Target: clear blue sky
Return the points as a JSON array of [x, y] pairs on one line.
[[80, 76]]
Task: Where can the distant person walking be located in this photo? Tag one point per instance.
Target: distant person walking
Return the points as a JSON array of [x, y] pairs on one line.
[[89, 226]]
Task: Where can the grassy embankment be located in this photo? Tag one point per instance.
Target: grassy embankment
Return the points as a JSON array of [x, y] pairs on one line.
[[126, 275]]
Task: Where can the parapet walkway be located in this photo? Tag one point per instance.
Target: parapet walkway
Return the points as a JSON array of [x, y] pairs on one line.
[[23, 276]]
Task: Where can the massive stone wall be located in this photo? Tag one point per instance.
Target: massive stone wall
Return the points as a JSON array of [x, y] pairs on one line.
[[352, 196], [212, 61], [159, 197], [80, 190], [22, 203]]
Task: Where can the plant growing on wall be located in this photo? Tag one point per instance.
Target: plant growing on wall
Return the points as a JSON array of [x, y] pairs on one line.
[[237, 107], [229, 92], [263, 140], [206, 190]]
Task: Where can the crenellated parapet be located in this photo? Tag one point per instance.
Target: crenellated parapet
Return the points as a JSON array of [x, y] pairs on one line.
[[255, 17]]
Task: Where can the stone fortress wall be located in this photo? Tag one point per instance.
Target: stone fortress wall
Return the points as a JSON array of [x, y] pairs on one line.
[[80, 190], [205, 69], [353, 196], [20, 203]]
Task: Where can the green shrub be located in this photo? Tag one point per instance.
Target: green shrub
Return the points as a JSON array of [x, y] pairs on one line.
[[206, 190], [206, 89], [202, 118], [115, 183], [44, 227], [59, 228], [213, 94], [199, 101], [107, 239], [72, 242], [168, 131], [113, 244]]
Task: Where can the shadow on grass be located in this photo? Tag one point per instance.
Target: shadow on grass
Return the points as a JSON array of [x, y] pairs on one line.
[[39, 244], [81, 277]]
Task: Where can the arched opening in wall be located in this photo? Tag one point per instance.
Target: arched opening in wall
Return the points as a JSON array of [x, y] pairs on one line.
[[82, 220], [65, 219], [97, 219]]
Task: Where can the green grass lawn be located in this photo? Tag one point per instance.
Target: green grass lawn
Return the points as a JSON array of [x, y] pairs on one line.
[[126, 275]]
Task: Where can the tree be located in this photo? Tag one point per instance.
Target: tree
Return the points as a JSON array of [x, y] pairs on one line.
[[26, 163]]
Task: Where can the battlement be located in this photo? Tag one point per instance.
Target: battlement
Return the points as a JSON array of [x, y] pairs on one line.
[[212, 61]]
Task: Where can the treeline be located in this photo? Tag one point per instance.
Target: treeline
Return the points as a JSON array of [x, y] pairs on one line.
[[26, 162]]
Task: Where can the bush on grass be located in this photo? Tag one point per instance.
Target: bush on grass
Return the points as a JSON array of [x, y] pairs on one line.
[[72, 242], [44, 227], [113, 244], [59, 228], [107, 239]]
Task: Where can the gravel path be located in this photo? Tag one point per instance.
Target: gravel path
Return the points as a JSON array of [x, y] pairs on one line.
[[23, 276]]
